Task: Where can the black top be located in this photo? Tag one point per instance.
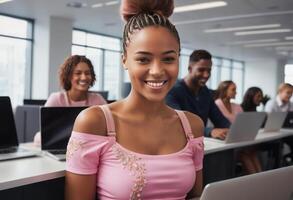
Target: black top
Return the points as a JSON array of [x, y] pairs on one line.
[[202, 104]]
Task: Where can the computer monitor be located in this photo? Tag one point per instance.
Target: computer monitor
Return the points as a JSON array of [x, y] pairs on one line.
[[104, 94], [39, 102]]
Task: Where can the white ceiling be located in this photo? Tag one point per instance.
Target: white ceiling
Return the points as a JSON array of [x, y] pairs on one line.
[[106, 20]]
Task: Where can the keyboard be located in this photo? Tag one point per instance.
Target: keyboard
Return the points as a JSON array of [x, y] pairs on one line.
[[8, 150], [57, 151]]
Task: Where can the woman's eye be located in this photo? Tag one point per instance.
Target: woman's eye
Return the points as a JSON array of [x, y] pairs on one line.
[[142, 60], [169, 59]]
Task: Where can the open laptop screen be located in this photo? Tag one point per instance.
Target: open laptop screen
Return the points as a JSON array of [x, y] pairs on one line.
[[288, 123], [56, 126], [8, 135]]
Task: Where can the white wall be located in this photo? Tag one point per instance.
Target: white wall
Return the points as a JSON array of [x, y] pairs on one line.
[[263, 74]]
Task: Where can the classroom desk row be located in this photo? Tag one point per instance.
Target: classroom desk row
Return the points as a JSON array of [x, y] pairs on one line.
[[43, 177]]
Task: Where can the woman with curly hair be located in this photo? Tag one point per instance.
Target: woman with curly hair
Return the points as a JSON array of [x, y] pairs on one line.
[[76, 76]]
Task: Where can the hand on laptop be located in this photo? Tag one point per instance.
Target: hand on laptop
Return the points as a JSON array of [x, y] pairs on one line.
[[219, 133]]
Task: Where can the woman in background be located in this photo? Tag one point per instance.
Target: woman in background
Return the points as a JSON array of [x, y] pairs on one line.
[[139, 148], [76, 76], [223, 95], [252, 98]]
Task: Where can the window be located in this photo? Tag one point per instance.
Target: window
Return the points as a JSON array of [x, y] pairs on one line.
[[15, 58], [105, 54], [289, 73], [183, 62]]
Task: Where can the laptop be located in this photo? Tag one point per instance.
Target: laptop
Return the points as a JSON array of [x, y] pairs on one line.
[[288, 123], [56, 126], [244, 128], [39, 102], [270, 185], [9, 146], [274, 121]]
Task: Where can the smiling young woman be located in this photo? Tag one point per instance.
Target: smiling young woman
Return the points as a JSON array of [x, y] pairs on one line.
[[121, 150]]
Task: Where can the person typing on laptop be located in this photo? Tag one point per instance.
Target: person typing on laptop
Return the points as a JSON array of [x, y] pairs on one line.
[[281, 103], [191, 94], [223, 95], [76, 76]]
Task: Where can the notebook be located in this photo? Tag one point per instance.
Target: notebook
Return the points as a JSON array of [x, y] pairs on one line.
[[288, 123], [56, 127], [9, 148], [270, 185], [244, 128], [274, 121]]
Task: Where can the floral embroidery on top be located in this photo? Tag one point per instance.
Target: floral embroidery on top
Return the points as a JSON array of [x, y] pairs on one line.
[[72, 147], [137, 169]]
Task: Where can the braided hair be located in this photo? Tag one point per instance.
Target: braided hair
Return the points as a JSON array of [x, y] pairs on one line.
[[144, 13]]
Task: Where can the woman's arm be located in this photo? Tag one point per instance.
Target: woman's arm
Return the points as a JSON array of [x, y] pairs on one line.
[[197, 128], [83, 186], [80, 187]]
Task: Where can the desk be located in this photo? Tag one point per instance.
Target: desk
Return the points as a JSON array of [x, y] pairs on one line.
[[32, 178], [43, 178], [220, 162]]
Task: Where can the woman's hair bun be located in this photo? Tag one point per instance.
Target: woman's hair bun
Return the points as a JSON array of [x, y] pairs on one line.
[[129, 8]]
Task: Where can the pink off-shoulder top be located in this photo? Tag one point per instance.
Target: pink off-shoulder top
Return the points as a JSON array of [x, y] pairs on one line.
[[124, 174]]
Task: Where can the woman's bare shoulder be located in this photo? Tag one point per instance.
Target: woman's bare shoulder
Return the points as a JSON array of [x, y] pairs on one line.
[[196, 124], [91, 121]]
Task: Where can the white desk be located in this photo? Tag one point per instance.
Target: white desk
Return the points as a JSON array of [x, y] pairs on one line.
[[214, 145], [21, 172], [15, 173]]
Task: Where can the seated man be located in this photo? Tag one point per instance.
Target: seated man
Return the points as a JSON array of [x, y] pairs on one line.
[[191, 94]]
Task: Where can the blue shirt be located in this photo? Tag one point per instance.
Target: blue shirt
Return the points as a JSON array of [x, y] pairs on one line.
[[202, 104]]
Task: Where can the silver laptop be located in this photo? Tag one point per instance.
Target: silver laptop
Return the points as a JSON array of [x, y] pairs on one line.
[[56, 127], [270, 185], [275, 121], [244, 128], [9, 148]]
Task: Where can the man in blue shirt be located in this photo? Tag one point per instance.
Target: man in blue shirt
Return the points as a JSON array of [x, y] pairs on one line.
[[191, 94]]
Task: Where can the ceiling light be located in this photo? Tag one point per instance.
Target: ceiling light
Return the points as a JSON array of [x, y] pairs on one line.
[[98, 5], [269, 44], [76, 4], [4, 1], [110, 3], [242, 28], [252, 41], [263, 31], [289, 38], [284, 48], [199, 6]]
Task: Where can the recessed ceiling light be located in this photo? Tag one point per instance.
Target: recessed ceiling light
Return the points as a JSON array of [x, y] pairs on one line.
[[252, 41], [199, 6], [98, 5], [242, 28], [4, 1], [76, 4], [269, 44], [284, 48], [110, 3], [263, 31], [289, 38]]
